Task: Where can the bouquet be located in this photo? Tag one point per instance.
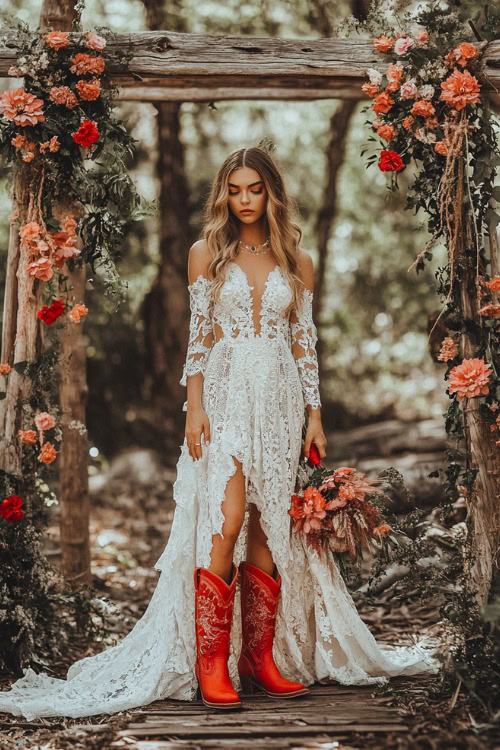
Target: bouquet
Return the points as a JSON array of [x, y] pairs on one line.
[[338, 510]]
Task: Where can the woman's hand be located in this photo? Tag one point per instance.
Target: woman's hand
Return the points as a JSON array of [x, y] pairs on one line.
[[315, 434], [196, 424]]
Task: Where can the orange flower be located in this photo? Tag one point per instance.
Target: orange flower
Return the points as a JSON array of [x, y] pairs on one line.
[[392, 86], [27, 436], [460, 89], [470, 379], [48, 453], [370, 89], [57, 39], [89, 90], [382, 103], [23, 108], [441, 147], [387, 132], [83, 63], [465, 52], [381, 529], [494, 284], [422, 36], [30, 231], [407, 122], [5, 369], [423, 107], [490, 311], [431, 122], [448, 349], [383, 43], [18, 141]]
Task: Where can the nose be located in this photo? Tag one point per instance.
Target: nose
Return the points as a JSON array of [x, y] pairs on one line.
[[245, 197]]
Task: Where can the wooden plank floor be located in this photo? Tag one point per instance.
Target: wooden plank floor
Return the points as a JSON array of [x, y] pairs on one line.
[[326, 718]]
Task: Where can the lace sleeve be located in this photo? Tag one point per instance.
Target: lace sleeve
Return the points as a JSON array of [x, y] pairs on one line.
[[304, 337], [200, 328]]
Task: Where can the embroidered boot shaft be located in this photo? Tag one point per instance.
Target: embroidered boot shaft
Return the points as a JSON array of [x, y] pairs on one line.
[[259, 603], [214, 601]]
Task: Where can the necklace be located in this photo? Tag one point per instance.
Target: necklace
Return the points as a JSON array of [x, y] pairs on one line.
[[253, 248]]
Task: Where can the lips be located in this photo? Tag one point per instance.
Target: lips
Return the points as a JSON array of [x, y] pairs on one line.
[[246, 211]]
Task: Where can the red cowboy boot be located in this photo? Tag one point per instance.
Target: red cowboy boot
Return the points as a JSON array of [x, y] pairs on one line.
[[259, 603], [214, 600]]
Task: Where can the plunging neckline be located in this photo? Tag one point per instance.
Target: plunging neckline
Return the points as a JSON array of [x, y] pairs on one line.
[[251, 288]]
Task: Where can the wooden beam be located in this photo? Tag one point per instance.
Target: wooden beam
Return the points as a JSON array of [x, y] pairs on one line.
[[305, 67]]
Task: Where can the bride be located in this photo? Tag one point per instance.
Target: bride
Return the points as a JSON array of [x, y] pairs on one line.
[[251, 374]]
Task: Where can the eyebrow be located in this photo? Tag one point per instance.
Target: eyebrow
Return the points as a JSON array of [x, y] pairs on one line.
[[251, 185]]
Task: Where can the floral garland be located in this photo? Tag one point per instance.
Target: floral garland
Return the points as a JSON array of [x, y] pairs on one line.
[[430, 109], [60, 118]]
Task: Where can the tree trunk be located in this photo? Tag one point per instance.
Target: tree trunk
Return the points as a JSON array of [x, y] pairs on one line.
[[166, 307], [72, 460]]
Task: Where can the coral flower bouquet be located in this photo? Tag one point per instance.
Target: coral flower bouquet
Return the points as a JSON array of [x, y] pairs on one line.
[[339, 511]]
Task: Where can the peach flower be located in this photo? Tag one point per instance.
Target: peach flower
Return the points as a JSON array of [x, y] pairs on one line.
[[370, 89], [394, 72], [94, 41], [48, 453], [27, 436], [448, 350], [423, 107], [5, 369], [52, 145], [387, 132], [382, 529], [460, 89], [422, 36], [77, 312], [83, 63], [30, 231], [383, 43], [382, 103], [408, 89], [14, 216], [494, 284], [41, 269], [64, 96], [431, 122], [57, 39], [470, 379], [44, 421], [23, 108], [89, 90], [408, 122]]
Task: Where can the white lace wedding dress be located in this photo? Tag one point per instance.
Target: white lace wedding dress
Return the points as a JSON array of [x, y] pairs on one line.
[[255, 388]]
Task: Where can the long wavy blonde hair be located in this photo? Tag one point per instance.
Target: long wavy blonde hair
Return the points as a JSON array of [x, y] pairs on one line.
[[220, 226]]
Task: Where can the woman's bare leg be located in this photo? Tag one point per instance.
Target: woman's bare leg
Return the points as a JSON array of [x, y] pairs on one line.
[[233, 508], [258, 553]]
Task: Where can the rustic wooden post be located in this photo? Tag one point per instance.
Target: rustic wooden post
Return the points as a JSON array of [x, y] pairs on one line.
[[73, 390]]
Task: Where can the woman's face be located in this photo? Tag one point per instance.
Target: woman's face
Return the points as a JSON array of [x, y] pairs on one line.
[[247, 193]]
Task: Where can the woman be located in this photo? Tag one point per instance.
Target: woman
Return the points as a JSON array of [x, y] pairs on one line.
[[252, 376]]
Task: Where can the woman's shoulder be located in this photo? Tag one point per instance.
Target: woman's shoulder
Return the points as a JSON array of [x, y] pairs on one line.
[[306, 268], [198, 260]]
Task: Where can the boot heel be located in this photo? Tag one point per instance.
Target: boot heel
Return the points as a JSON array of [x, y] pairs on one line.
[[247, 685]]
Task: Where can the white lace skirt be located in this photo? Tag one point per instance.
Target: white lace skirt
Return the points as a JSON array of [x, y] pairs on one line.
[[253, 399]]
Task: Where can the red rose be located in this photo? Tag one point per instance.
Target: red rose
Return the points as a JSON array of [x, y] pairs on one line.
[[313, 459], [390, 161], [51, 313], [86, 134], [10, 508]]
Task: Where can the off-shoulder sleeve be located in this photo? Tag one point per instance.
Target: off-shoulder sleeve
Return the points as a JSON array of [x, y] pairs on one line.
[[200, 339], [303, 341]]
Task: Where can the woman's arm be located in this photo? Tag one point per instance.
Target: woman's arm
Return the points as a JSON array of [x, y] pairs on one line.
[[304, 337]]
